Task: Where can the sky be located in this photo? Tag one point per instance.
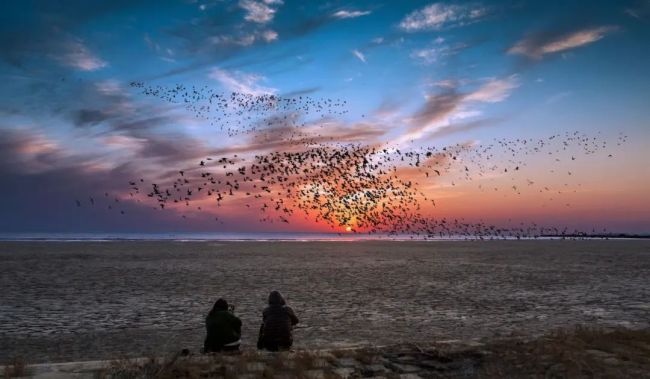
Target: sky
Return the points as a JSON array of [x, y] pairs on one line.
[[412, 74]]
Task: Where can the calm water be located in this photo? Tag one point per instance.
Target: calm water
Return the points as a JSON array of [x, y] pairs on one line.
[[89, 300]]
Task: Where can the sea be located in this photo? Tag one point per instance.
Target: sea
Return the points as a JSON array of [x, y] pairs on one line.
[[79, 297], [217, 236]]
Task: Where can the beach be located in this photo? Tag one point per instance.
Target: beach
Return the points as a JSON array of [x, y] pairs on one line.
[[83, 300]]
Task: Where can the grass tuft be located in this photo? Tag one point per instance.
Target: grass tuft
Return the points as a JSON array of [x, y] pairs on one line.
[[580, 352], [17, 367]]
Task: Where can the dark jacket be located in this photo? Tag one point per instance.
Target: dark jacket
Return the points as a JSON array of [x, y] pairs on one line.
[[278, 320], [222, 328]]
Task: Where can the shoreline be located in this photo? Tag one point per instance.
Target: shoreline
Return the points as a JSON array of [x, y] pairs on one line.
[[578, 351], [342, 240]]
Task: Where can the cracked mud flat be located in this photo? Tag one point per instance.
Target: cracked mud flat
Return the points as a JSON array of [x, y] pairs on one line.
[[62, 301]]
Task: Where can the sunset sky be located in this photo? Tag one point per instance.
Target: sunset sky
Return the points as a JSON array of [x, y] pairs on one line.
[[413, 74]]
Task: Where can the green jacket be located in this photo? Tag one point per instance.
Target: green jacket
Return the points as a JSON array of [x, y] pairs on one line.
[[222, 328]]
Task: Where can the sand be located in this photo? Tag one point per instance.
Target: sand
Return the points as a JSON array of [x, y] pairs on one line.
[[64, 301]]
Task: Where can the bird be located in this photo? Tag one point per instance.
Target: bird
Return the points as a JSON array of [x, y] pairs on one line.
[[371, 188]]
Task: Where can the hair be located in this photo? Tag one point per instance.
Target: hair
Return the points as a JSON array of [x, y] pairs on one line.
[[220, 305], [275, 298]]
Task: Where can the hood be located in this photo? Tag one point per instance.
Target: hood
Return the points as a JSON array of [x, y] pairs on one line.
[[220, 305], [275, 298]]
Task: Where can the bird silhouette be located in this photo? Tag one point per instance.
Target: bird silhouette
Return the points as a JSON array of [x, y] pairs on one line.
[[369, 188]]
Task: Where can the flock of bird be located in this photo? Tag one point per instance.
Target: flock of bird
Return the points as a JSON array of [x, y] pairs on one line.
[[237, 113], [356, 187]]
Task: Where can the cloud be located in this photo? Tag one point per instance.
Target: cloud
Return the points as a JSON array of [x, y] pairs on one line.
[[220, 33], [269, 35], [118, 128], [75, 54], [110, 88], [171, 148], [536, 46], [129, 131], [41, 183], [259, 11], [433, 54], [438, 16], [359, 55], [165, 54], [495, 90], [86, 117], [124, 142], [388, 108], [21, 47], [639, 11], [135, 125], [440, 111], [243, 39], [101, 101], [462, 127], [301, 92], [287, 137], [427, 55], [435, 109], [43, 30], [447, 83], [26, 150], [241, 82], [349, 14]]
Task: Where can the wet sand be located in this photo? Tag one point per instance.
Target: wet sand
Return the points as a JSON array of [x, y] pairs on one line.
[[65, 301]]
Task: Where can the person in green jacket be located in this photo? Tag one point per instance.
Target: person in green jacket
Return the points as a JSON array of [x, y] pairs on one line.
[[223, 329]]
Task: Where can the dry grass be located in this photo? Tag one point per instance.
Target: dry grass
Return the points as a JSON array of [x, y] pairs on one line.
[[580, 352], [575, 353], [168, 367], [366, 355], [17, 367], [217, 365]]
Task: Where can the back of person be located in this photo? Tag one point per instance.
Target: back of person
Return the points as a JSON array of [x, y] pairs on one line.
[[223, 329], [278, 321]]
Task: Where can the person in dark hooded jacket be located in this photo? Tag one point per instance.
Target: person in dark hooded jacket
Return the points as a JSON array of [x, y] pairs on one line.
[[278, 320], [223, 329]]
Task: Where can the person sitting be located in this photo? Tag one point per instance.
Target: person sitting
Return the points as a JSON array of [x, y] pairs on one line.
[[223, 329], [278, 320]]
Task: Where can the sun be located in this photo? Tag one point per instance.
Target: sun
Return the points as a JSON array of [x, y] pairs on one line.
[[348, 228]]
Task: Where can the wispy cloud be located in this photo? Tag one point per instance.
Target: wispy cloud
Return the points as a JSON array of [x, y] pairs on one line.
[[244, 39], [639, 11], [439, 50], [494, 90], [260, 12], [29, 151], [75, 54], [359, 55], [241, 82], [165, 54], [464, 126], [435, 109], [448, 84], [285, 137], [427, 55], [537, 46], [444, 109], [350, 14], [438, 16], [269, 35]]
